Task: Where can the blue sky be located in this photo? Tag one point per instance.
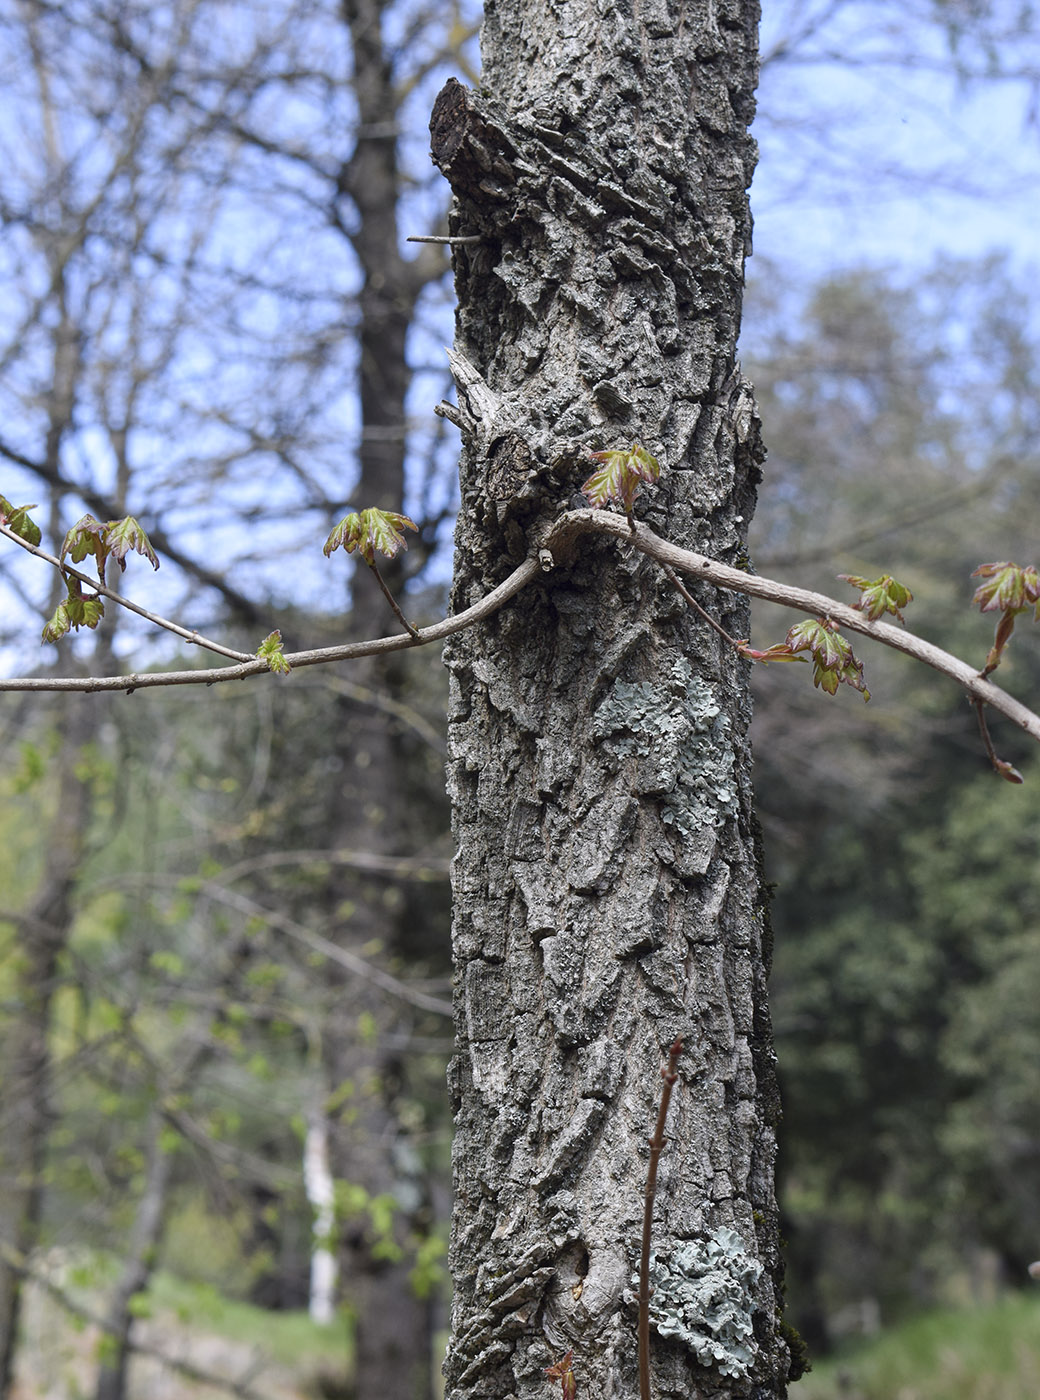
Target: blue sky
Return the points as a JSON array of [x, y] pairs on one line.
[[872, 150]]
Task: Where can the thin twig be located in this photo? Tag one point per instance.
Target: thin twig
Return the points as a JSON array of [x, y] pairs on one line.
[[98, 587], [669, 1075], [678, 584], [438, 238], [412, 631], [1000, 765]]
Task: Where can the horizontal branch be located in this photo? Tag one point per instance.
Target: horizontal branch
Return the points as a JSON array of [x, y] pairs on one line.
[[350, 651], [804, 600], [96, 586], [553, 550], [353, 962]]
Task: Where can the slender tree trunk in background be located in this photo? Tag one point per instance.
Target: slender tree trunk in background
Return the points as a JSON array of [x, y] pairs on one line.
[[138, 1263], [606, 893], [393, 1351], [25, 1086]]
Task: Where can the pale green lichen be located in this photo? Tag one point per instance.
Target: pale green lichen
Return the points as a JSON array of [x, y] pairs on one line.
[[703, 1293], [682, 741]]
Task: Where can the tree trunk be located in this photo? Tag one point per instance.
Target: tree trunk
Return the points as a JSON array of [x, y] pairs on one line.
[[606, 888], [393, 1334], [138, 1264], [25, 1087]]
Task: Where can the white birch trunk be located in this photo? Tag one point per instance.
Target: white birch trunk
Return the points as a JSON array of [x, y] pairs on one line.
[[320, 1189]]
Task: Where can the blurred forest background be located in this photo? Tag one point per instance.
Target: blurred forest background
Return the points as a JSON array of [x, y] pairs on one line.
[[224, 952]]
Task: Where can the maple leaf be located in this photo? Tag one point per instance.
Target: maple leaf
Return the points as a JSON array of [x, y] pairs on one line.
[[87, 536], [620, 477], [1009, 587], [17, 518], [879, 596], [122, 536], [77, 610], [369, 530], [561, 1371], [833, 661]]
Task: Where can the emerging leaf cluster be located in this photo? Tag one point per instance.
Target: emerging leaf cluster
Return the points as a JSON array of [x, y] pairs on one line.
[[563, 1372], [619, 478], [1009, 589], [104, 540], [879, 596], [109, 539], [831, 654], [369, 530], [270, 650], [76, 610], [17, 519]]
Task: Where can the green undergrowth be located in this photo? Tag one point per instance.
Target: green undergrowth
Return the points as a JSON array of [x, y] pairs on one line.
[[174, 1308], [991, 1352], [289, 1339]]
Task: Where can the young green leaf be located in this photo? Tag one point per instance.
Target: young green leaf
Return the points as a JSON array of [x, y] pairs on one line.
[[16, 518], [58, 625], [1008, 588], [76, 610], [105, 539], [270, 650], [87, 536], [832, 658], [1011, 589], [368, 531], [620, 476], [122, 536], [831, 654], [879, 596]]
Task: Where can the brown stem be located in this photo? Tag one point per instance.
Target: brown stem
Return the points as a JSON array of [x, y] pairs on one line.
[[412, 631], [678, 584], [1000, 765], [657, 1143]]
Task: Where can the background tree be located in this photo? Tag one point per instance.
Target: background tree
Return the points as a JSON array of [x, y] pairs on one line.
[[150, 141]]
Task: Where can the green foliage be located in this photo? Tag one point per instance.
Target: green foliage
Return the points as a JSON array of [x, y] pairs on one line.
[[368, 531], [270, 650], [379, 1211], [987, 1352], [140, 1305], [619, 479], [74, 611], [17, 519], [429, 1273], [111, 539], [1009, 590], [833, 661], [879, 596]]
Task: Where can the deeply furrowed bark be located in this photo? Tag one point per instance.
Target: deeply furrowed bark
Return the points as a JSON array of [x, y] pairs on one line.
[[605, 885]]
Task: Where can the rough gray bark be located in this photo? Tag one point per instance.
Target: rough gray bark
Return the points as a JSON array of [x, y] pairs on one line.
[[606, 889]]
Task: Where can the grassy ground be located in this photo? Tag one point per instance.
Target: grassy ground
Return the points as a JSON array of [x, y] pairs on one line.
[[284, 1356], [986, 1353]]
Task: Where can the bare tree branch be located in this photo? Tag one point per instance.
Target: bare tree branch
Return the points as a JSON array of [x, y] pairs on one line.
[[554, 549]]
